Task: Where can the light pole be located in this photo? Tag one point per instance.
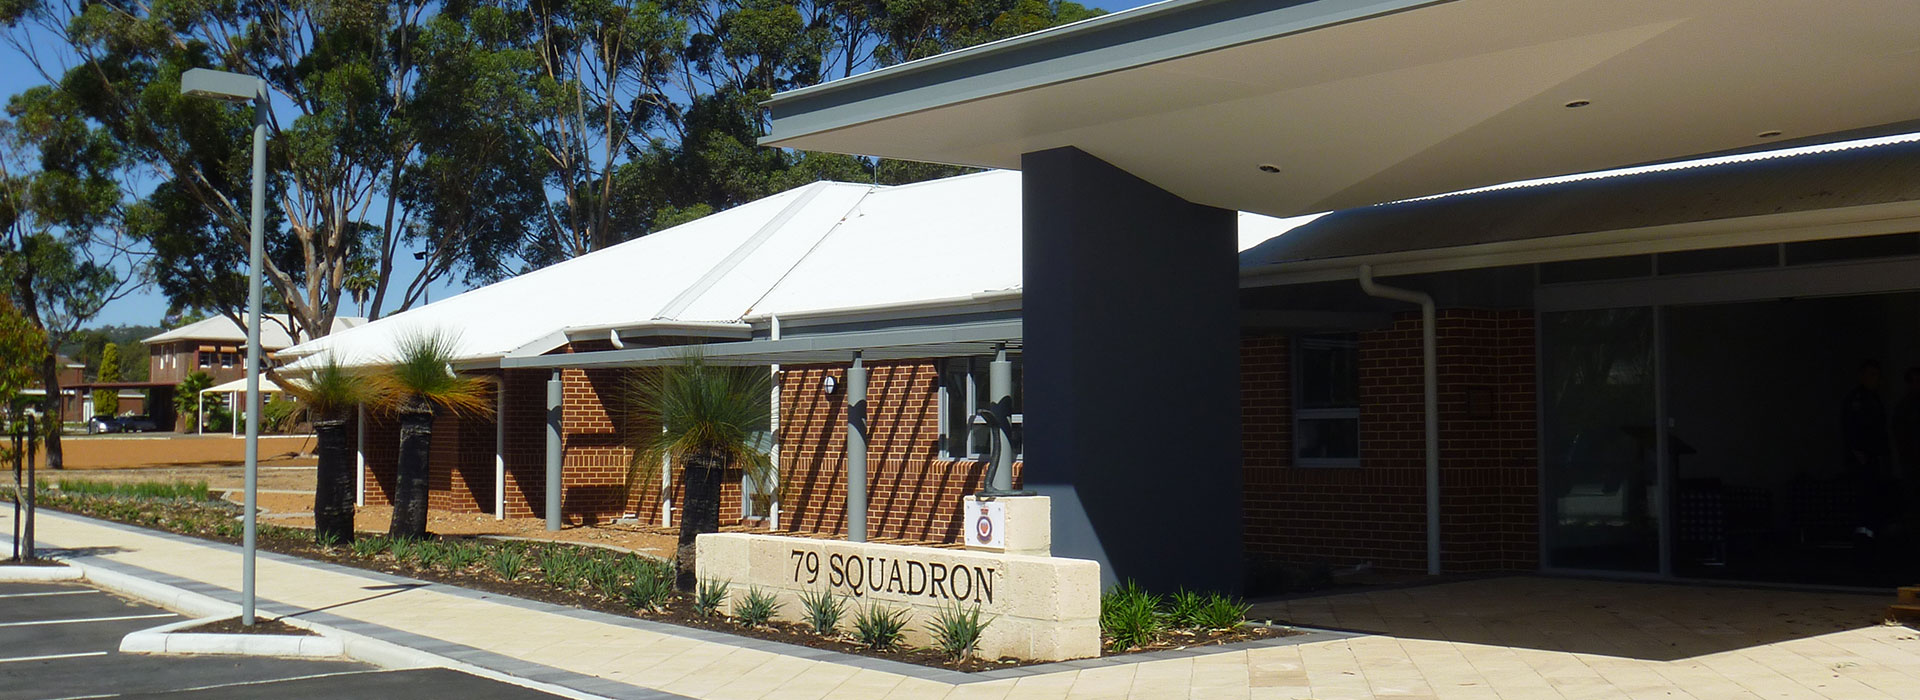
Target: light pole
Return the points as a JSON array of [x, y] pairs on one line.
[[234, 87]]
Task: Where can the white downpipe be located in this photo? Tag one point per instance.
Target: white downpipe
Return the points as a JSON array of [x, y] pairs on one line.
[[200, 414], [773, 429], [1429, 360], [360, 455], [666, 488], [500, 449]]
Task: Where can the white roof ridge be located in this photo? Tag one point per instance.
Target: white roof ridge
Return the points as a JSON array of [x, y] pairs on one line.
[[767, 229], [803, 257]]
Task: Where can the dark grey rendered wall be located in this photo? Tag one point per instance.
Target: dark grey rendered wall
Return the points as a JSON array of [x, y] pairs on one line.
[[1132, 373]]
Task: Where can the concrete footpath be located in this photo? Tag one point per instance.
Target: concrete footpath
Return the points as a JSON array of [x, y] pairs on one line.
[[613, 656], [1445, 652]]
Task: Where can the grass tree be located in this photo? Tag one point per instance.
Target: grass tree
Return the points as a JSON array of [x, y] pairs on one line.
[[330, 394], [423, 383], [702, 419]]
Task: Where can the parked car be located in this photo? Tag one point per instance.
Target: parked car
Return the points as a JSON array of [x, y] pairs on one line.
[[121, 424]]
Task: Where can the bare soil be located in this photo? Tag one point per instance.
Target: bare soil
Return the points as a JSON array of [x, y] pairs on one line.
[[231, 625], [113, 452]]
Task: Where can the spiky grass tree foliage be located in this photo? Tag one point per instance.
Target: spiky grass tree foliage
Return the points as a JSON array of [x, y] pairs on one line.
[[702, 419], [423, 383], [330, 394]]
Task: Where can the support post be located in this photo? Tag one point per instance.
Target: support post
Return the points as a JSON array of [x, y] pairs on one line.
[[553, 452], [360, 455], [773, 429], [1000, 392], [500, 448], [857, 450]]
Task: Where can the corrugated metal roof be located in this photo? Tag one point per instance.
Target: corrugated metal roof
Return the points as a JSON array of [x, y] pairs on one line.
[[1851, 173]]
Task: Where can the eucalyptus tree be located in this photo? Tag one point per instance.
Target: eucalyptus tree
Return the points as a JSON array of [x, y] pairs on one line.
[[374, 108], [65, 252]]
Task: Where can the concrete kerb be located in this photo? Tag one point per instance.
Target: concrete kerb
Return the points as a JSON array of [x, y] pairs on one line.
[[36, 574], [331, 642]]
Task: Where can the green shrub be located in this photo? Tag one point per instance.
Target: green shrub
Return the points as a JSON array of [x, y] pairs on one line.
[[822, 611], [708, 596], [508, 561], [956, 631], [1129, 616], [607, 574], [652, 584], [1183, 608], [879, 627], [459, 556], [368, 546], [1222, 613], [150, 490], [559, 567], [756, 608]]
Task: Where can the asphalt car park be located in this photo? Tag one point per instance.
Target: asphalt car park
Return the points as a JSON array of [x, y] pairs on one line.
[[60, 640]]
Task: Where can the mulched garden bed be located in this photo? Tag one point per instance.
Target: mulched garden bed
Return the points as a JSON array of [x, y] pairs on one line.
[[37, 561], [218, 521], [231, 625]]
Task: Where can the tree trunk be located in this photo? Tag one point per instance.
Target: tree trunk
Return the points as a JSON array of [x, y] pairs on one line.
[[56, 412], [700, 513], [333, 493], [410, 486]]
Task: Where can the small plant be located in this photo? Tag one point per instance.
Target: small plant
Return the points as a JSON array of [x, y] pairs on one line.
[[1129, 616], [956, 631], [652, 584], [822, 611], [1221, 613], [879, 627], [367, 547], [508, 562], [401, 548], [1183, 608], [458, 556], [607, 575], [559, 567], [324, 539], [756, 608], [708, 597]]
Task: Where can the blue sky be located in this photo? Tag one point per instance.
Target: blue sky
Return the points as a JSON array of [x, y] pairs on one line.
[[146, 306]]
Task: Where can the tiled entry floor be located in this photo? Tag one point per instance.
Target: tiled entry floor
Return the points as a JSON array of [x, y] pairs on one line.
[[1528, 636]]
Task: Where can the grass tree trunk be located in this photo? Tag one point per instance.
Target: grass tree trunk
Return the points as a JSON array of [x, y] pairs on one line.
[[410, 486], [333, 493], [700, 514]]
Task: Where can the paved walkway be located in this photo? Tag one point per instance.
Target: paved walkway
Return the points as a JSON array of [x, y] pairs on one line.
[[1519, 638]]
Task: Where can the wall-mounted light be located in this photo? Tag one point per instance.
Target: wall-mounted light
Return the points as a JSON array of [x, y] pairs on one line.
[[829, 384]]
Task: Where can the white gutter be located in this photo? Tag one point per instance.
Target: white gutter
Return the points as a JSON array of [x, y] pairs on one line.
[[953, 302], [1431, 388]]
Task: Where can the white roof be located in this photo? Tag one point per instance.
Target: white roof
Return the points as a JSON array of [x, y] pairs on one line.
[[273, 333], [824, 246], [238, 386]]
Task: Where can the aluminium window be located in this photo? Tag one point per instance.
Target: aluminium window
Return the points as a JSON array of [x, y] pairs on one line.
[[963, 392], [1326, 400]]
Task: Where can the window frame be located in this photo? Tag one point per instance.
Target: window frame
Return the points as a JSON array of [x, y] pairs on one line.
[[1300, 415]]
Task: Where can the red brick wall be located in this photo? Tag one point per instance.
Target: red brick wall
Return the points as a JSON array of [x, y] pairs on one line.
[[912, 493], [1377, 511]]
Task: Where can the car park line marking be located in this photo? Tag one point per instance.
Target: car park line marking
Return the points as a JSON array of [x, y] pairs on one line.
[[46, 593], [116, 618], [50, 657]]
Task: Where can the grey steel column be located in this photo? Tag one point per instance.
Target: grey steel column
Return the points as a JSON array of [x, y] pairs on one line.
[[1000, 391], [857, 450], [254, 254], [553, 451]]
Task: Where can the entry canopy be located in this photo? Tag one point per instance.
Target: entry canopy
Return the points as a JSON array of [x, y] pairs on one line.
[[960, 340], [1357, 102]]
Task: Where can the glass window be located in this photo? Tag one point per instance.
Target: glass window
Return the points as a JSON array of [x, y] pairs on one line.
[[963, 392], [1326, 400]]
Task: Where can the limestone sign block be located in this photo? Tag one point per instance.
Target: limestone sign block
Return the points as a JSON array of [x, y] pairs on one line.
[[1041, 608], [1011, 524]]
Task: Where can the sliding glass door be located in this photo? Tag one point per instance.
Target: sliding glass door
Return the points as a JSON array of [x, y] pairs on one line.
[[1600, 451]]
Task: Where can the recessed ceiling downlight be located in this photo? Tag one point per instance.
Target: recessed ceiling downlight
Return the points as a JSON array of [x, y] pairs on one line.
[[1269, 168]]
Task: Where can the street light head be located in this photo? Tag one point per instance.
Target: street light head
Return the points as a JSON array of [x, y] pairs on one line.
[[219, 85]]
